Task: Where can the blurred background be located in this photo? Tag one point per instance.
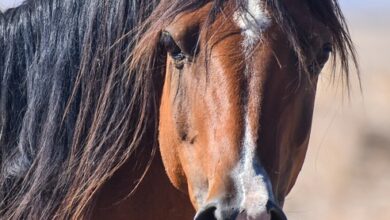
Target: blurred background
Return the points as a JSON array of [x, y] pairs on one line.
[[347, 171]]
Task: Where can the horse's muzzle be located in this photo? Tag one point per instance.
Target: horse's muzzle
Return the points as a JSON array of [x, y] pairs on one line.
[[212, 212]]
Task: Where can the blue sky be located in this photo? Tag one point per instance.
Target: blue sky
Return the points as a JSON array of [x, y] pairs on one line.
[[9, 3], [364, 4]]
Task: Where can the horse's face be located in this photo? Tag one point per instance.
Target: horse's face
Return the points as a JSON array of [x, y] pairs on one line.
[[234, 129]]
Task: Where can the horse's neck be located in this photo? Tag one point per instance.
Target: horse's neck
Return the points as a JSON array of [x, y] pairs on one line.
[[155, 198]]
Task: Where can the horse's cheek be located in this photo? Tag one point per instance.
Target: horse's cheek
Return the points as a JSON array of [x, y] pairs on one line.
[[168, 144]]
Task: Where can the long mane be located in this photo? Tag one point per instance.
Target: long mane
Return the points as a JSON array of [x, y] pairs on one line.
[[71, 112], [80, 83]]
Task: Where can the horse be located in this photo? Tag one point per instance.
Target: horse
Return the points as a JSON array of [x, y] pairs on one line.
[[160, 109]]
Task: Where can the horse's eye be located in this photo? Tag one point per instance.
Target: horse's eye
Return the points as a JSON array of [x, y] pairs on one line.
[[173, 49], [327, 49], [322, 57]]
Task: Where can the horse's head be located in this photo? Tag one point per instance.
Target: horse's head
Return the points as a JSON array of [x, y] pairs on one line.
[[237, 103]]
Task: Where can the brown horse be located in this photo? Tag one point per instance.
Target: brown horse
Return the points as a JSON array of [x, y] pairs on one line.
[[227, 85]]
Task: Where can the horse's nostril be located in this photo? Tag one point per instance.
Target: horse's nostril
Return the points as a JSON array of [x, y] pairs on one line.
[[207, 213], [275, 212], [277, 215]]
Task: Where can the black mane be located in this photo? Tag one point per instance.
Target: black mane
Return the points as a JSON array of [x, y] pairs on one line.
[[59, 59]]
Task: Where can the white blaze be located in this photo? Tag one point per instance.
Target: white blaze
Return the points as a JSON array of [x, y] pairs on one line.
[[253, 181], [251, 178], [253, 21]]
